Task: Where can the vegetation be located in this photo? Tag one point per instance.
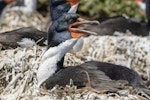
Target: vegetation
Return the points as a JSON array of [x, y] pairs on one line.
[[105, 8], [110, 8]]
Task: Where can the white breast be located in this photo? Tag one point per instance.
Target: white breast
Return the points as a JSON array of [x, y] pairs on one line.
[[48, 64]]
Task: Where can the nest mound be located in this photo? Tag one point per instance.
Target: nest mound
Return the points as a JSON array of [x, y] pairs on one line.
[[16, 19], [18, 68], [131, 51]]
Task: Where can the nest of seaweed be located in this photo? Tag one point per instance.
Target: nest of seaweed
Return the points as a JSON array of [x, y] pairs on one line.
[[18, 68], [16, 19]]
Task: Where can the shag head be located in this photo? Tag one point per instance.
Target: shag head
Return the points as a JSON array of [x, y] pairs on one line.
[[59, 7], [61, 29], [63, 13]]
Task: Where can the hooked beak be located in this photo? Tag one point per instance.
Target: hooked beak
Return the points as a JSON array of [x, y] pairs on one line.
[[74, 5], [76, 32], [73, 28]]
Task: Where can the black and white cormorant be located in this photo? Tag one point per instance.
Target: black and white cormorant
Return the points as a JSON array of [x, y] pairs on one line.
[[99, 75], [23, 37]]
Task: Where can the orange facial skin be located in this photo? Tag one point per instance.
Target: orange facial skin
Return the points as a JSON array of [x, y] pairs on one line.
[[75, 34], [80, 19], [73, 2], [9, 1], [72, 28]]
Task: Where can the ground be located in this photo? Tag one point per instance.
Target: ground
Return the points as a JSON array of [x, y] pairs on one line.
[[18, 66]]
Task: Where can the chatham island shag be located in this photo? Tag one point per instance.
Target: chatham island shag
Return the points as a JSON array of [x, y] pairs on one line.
[[98, 75], [123, 25], [57, 9], [23, 37]]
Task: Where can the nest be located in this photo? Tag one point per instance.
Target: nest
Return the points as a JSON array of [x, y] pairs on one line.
[[131, 51], [16, 19], [18, 68]]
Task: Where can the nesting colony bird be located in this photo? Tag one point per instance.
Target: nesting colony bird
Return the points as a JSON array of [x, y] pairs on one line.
[[99, 75], [23, 14], [23, 37], [122, 24], [57, 9]]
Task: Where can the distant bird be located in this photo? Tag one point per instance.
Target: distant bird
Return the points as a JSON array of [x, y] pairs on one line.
[[64, 36], [122, 24], [23, 37], [99, 75], [119, 24]]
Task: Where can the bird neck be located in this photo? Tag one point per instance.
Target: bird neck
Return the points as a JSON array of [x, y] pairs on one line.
[[53, 56], [73, 8]]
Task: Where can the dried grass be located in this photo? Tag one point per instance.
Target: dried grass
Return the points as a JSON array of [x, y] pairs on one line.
[[18, 68]]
